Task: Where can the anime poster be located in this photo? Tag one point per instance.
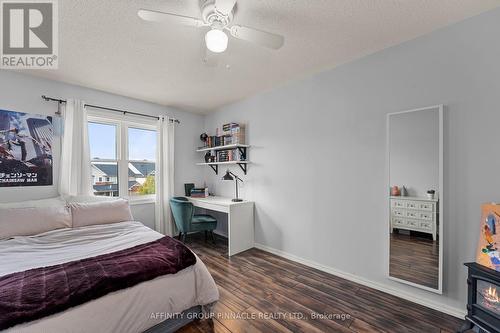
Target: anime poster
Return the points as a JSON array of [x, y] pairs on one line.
[[489, 237], [25, 149]]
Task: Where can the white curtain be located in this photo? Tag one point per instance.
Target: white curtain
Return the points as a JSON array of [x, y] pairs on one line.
[[164, 176], [75, 174]]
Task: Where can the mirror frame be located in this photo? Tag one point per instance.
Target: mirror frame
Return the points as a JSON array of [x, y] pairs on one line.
[[440, 110]]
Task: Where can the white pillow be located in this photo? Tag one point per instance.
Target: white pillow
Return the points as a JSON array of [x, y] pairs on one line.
[[103, 212], [51, 202], [30, 221], [87, 198]]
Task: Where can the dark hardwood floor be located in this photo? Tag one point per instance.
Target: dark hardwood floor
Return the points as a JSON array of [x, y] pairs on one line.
[[415, 258], [261, 292]]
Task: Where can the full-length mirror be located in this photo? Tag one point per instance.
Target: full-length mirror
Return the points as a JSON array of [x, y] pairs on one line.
[[415, 150]]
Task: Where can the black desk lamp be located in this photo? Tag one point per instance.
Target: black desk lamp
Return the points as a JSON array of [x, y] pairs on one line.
[[231, 176]]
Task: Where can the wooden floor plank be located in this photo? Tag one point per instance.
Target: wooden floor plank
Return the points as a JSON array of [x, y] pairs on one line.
[[420, 312], [415, 258], [359, 305], [292, 303], [205, 326], [262, 318], [358, 309], [255, 286], [236, 321], [358, 325], [232, 301]]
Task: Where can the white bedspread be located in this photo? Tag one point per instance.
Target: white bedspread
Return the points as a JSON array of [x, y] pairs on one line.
[[130, 310]]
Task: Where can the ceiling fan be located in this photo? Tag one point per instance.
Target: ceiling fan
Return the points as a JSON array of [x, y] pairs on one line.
[[218, 15]]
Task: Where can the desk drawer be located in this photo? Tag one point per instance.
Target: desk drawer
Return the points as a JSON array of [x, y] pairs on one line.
[[211, 206]]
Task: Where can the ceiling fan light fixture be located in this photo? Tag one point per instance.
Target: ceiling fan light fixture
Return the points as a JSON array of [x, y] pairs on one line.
[[216, 40]]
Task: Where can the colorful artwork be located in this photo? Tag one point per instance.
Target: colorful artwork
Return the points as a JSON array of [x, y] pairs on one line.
[[489, 239], [25, 149]]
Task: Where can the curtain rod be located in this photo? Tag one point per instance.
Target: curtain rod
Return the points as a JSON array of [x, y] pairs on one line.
[[108, 109]]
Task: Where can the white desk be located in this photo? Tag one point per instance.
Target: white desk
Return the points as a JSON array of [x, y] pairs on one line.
[[240, 220]]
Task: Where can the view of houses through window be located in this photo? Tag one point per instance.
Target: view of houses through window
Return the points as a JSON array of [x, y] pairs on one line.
[[138, 149], [141, 161]]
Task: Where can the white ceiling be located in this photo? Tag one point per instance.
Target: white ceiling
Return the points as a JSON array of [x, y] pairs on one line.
[[104, 45]]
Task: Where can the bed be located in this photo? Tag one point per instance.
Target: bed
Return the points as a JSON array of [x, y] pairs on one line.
[[145, 307]]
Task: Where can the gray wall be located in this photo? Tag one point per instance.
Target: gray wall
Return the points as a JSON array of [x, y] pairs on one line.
[[20, 92], [319, 173], [414, 151]]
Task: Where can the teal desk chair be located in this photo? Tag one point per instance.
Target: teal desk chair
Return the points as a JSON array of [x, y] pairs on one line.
[[186, 221]]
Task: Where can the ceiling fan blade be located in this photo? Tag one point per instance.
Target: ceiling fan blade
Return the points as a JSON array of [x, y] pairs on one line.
[[154, 16], [224, 6], [267, 39]]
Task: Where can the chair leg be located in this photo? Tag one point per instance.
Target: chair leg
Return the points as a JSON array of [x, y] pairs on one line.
[[184, 237], [180, 235], [213, 236], [206, 234]]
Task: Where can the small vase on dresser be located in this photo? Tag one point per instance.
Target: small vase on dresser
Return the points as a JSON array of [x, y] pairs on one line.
[[415, 214]]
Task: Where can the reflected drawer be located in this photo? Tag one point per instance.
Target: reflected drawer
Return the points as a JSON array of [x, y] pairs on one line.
[[398, 222], [412, 223], [412, 204], [398, 203], [412, 214], [425, 225], [398, 213], [427, 206], [426, 216]]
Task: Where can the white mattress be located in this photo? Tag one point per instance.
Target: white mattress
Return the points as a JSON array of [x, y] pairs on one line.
[[129, 310]]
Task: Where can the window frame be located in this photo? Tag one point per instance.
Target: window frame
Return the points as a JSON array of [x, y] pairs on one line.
[[123, 123]]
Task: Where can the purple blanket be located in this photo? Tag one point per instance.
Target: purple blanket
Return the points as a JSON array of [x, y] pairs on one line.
[[40, 292]]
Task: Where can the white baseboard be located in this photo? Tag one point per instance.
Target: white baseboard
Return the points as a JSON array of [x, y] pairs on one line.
[[452, 311]]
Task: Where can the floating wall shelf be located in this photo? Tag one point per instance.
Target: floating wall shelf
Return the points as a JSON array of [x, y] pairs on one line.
[[215, 165], [227, 147], [242, 148]]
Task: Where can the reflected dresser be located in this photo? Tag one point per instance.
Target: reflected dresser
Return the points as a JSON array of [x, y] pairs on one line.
[[415, 214]]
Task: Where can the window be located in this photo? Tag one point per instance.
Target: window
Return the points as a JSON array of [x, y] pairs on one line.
[[141, 159], [102, 141], [122, 149], [104, 160]]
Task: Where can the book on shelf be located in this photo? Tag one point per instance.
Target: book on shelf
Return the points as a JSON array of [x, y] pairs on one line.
[[229, 155], [235, 132], [232, 133], [199, 192], [227, 127]]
